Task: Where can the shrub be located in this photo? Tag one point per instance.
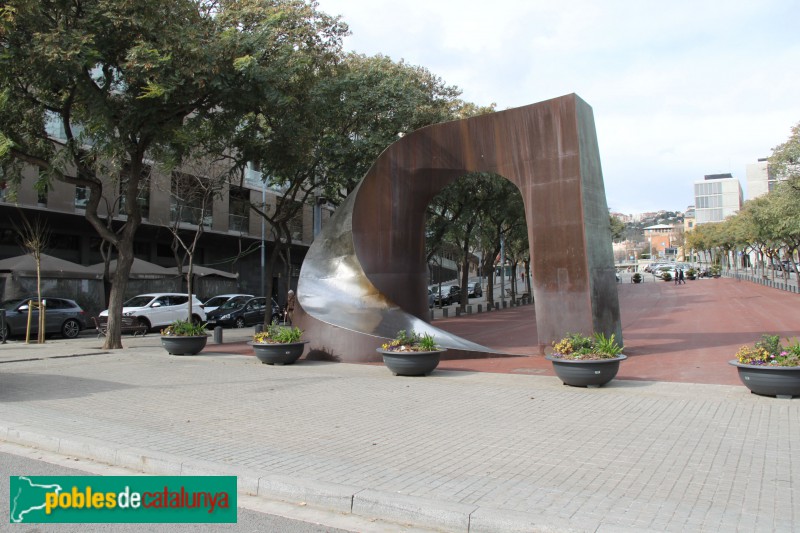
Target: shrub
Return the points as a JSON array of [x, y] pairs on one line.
[[411, 342], [185, 328], [578, 346], [636, 278], [275, 334]]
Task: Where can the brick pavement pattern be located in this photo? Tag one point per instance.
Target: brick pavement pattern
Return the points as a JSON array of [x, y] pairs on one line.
[[457, 450]]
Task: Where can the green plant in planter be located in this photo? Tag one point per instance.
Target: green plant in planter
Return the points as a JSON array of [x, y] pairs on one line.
[[666, 276], [580, 347], [185, 328], [636, 278], [411, 342], [276, 334], [691, 273], [716, 271]]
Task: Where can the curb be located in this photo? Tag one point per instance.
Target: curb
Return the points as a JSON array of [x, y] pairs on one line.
[[344, 499]]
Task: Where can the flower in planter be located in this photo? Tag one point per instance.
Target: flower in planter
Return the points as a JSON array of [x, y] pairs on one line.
[[275, 334], [411, 342], [770, 352], [185, 328], [576, 346]]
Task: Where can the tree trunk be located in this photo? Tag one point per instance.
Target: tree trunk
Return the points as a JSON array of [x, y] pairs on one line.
[[42, 311], [117, 298]]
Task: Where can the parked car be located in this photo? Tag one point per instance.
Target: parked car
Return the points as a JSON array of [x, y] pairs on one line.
[[475, 289], [215, 301], [61, 316], [161, 309], [448, 295], [242, 312]]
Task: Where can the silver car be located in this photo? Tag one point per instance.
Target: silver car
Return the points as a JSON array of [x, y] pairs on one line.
[[62, 316]]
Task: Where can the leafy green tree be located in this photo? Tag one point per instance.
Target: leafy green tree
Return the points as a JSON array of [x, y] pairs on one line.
[[785, 158], [341, 116], [369, 103], [129, 81], [617, 228]]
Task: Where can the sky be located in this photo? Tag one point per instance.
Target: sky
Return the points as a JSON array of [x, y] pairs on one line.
[[679, 89]]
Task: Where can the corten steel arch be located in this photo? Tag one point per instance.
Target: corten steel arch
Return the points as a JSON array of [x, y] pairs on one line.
[[365, 276]]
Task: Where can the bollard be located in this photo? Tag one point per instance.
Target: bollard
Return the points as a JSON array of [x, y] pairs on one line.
[[444, 312], [505, 304], [480, 308], [218, 335], [469, 309], [497, 306], [259, 328], [3, 326], [432, 315], [458, 311]]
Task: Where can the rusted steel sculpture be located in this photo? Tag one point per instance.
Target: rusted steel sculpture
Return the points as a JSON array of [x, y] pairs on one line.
[[365, 276]]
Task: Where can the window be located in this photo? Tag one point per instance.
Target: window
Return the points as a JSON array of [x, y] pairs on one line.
[[191, 200], [178, 300], [295, 224], [81, 196], [239, 209]]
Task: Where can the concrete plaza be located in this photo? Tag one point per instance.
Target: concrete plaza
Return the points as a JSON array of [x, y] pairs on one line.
[[507, 448]]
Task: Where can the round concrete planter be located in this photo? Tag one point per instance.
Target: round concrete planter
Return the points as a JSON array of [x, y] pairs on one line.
[[411, 363], [766, 380], [278, 354], [590, 373], [184, 345]]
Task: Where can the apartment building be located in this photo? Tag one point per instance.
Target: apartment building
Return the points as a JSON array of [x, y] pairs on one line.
[[233, 236], [717, 197]]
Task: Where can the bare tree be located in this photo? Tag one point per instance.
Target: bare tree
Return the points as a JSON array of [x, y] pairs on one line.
[[192, 196], [34, 237]]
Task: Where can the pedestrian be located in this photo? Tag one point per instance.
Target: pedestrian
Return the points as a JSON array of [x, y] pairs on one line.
[[681, 278], [290, 300], [677, 276]]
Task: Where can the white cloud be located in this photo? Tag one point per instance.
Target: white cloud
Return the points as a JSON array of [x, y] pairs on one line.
[[679, 89]]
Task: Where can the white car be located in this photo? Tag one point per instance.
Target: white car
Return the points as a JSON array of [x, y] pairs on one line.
[[215, 301], [161, 309]]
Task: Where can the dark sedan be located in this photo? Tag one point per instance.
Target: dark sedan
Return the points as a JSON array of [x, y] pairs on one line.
[[242, 312], [61, 316], [450, 294]]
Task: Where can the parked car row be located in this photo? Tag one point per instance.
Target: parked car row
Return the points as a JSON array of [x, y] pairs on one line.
[[150, 311], [451, 293], [785, 266]]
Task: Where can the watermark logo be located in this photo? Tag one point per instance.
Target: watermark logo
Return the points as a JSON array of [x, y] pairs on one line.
[[122, 499]]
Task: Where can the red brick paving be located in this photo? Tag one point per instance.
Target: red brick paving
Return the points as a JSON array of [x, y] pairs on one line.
[[683, 333]]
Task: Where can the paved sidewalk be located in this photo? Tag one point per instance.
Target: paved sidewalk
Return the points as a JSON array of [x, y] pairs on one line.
[[457, 450]]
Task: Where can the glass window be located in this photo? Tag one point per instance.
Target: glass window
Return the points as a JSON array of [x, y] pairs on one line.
[[191, 200], [81, 196], [239, 209]]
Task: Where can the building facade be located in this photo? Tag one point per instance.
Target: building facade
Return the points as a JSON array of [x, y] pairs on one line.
[[234, 238], [717, 197], [664, 240], [761, 179]]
